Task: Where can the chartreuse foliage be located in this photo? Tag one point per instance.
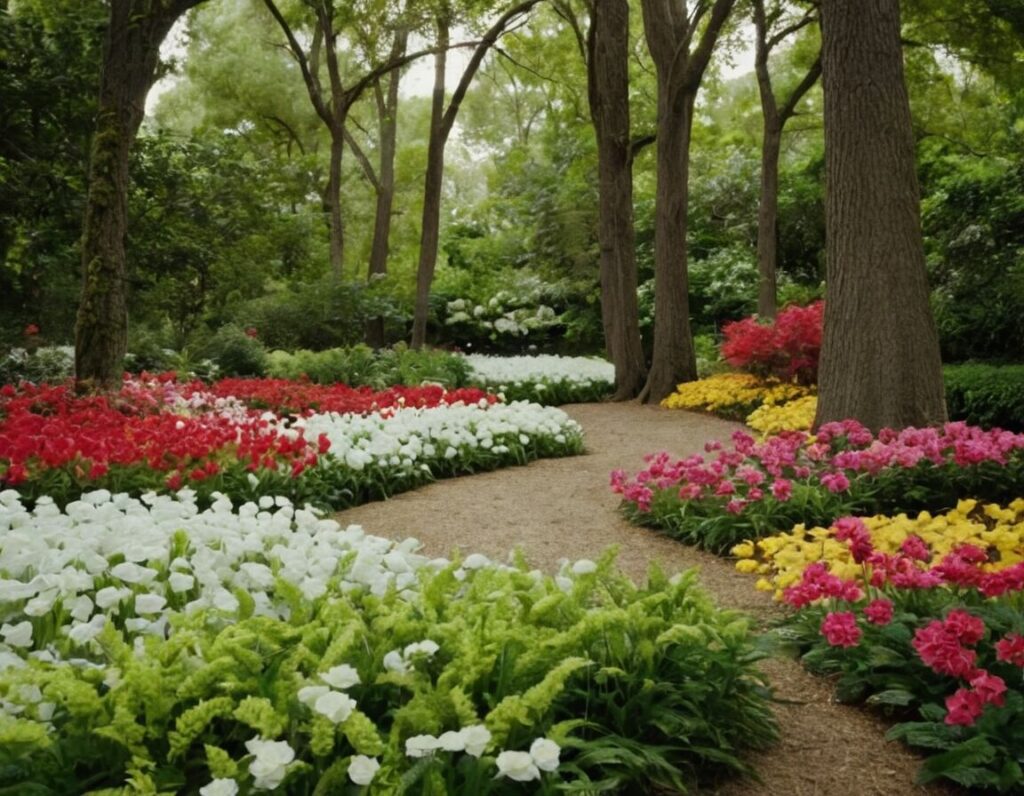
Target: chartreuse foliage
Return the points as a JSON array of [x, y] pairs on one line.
[[644, 688]]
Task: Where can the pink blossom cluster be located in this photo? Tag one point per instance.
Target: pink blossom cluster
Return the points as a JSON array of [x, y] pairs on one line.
[[945, 646], [832, 458]]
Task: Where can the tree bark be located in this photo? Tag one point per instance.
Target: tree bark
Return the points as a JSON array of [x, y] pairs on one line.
[[387, 110], [880, 360], [608, 82], [332, 200], [767, 219], [131, 55], [433, 182], [670, 29]]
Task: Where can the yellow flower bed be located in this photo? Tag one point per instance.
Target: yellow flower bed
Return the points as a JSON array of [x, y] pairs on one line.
[[795, 415], [724, 391], [780, 560]]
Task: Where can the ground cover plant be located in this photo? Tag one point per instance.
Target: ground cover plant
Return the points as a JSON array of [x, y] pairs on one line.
[[755, 489], [547, 379], [163, 435], [257, 647], [920, 616]]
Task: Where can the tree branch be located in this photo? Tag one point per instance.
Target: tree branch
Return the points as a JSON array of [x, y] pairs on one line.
[[312, 82], [364, 161], [789, 108]]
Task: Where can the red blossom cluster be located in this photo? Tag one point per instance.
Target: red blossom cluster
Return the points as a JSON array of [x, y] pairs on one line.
[[787, 348], [48, 428], [303, 397]]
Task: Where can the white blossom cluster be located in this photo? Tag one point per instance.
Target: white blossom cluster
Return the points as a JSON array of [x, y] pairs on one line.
[[403, 439], [492, 370]]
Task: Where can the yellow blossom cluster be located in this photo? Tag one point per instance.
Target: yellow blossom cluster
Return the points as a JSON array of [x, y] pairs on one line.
[[795, 415], [780, 560], [725, 391]]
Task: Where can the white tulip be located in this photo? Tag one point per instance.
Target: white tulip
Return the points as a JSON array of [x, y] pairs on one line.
[[545, 754], [518, 766], [362, 769], [343, 676], [335, 705]]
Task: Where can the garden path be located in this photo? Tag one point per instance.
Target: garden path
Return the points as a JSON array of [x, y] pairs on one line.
[[563, 508]]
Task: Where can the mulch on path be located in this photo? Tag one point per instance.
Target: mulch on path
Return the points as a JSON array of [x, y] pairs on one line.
[[563, 508]]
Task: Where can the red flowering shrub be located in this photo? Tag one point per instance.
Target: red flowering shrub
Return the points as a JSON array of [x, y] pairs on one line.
[[787, 349]]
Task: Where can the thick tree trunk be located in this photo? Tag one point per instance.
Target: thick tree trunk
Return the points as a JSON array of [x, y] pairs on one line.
[[333, 203], [673, 359], [880, 355], [433, 182], [767, 215], [388, 112], [608, 78], [130, 58]]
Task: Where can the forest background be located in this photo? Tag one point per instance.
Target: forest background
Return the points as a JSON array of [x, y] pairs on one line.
[[230, 235]]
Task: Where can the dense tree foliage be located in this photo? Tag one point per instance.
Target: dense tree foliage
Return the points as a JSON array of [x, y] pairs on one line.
[[229, 200]]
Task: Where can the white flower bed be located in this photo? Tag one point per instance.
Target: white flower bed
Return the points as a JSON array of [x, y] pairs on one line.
[[545, 367], [405, 439], [547, 378]]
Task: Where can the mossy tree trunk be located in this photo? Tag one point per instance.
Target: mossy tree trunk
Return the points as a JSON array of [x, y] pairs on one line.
[[131, 56]]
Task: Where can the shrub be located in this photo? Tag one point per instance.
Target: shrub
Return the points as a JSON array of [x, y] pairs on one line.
[[986, 395], [237, 352], [787, 349], [362, 366], [732, 395], [335, 644], [757, 488], [795, 415], [48, 364], [920, 617]]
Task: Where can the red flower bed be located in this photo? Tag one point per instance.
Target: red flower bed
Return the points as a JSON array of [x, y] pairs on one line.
[[304, 398], [50, 428]]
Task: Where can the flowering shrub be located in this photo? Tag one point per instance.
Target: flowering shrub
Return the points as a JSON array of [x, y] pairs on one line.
[[795, 415], [755, 489], [922, 617], [264, 648], [548, 380], [732, 395], [925, 550], [161, 435], [788, 348]]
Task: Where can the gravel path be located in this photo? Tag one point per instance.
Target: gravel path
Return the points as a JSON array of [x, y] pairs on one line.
[[563, 508]]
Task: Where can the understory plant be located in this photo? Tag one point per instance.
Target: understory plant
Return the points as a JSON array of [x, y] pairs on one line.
[[923, 618], [264, 645], [756, 489]]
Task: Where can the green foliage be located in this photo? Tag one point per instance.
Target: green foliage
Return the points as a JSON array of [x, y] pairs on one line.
[[49, 365], [236, 352], [976, 257], [361, 365], [986, 395], [314, 316], [645, 688]]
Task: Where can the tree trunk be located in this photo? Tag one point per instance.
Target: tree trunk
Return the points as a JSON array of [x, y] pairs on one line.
[[608, 78], [880, 355], [131, 54], [767, 215], [673, 359], [670, 31], [333, 202], [388, 112], [433, 182]]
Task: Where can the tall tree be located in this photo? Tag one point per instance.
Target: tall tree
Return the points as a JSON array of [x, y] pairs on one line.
[[605, 48], [772, 27], [382, 178], [670, 27], [442, 119], [880, 353], [131, 56], [333, 102]]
